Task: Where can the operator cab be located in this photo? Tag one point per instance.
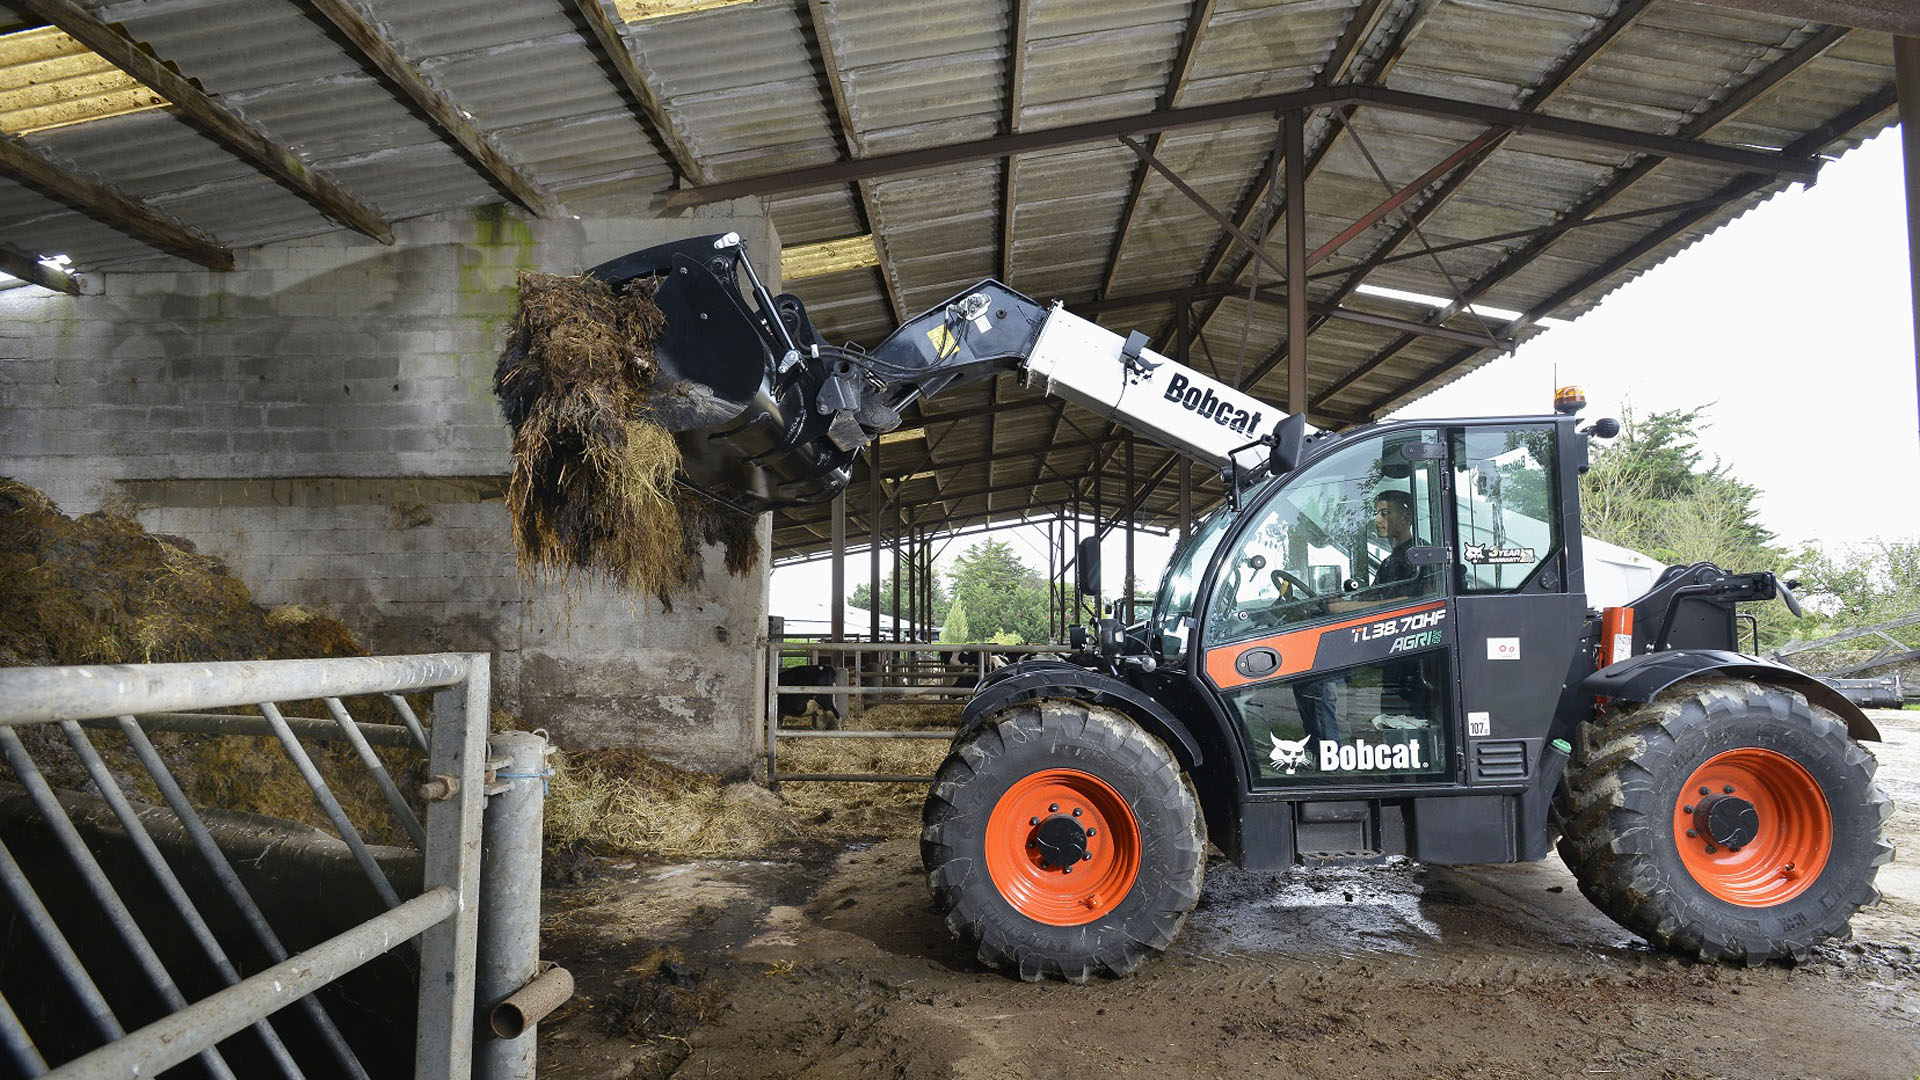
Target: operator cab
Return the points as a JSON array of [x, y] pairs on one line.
[[1351, 622]]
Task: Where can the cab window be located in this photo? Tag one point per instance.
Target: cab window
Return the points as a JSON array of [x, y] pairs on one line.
[[1349, 534], [1504, 506], [1173, 613]]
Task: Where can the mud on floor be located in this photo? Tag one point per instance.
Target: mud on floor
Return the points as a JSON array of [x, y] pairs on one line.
[[830, 964]]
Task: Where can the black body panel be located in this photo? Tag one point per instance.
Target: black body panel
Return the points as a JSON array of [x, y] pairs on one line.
[[1057, 679], [1643, 678]]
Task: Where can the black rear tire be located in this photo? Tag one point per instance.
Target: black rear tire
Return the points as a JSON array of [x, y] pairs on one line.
[[991, 765], [1623, 838]]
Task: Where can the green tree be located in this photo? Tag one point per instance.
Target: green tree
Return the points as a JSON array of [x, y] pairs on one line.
[[1855, 587], [1004, 599], [862, 598], [1653, 489], [955, 628]]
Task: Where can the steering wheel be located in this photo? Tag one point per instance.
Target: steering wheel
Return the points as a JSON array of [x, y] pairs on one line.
[[1301, 586]]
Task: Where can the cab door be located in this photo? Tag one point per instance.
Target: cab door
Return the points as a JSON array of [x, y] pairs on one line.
[[1328, 633], [1519, 598]]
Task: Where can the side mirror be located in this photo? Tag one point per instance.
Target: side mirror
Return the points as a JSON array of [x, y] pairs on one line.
[[1289, 438], [1086, 565]]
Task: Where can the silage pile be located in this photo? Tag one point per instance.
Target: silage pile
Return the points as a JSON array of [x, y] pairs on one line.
[[99, 589], [592, 485]]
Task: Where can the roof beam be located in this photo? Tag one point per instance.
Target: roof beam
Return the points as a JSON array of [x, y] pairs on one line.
[[1020, 17], [31, 270], [1739, 189], [1556, 81], [1775, 73], [653, 114], [217, 121], [1893, 16], [400, 73], [1338, 67], [114, 207], [855, 149], [1558, 127], [1197, 19]]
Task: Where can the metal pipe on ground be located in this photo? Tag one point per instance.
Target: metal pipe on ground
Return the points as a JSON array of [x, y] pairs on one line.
[[516, 1017], [509, 935]]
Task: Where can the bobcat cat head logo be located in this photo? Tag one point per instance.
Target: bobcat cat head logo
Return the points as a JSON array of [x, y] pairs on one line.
[[1289, 754]]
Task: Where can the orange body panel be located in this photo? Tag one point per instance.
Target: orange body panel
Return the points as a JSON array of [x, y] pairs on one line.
[[1297, 648]]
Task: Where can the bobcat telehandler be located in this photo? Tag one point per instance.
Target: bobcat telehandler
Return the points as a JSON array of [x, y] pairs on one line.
[[1381, 644]]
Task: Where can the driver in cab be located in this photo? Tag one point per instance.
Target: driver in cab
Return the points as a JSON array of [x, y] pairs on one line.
[[1393, 521]]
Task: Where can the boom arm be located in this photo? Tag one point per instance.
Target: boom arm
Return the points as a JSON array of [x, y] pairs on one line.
[[818, 404]]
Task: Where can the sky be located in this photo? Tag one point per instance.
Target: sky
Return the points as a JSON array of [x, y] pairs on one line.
[[1793, 324]]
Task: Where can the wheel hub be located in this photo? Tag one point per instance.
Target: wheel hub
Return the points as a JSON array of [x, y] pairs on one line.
[[1060, 842], [1731, 821]]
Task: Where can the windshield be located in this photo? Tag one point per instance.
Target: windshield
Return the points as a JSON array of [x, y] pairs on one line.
[[1173, 611]]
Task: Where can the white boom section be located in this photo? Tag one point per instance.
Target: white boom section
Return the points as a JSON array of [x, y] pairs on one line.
[[1165, 401]]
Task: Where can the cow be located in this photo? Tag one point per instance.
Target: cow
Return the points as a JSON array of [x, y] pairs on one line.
[[971, 661], [818, 706]]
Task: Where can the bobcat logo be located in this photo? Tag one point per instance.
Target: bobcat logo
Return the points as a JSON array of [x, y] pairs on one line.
[[1289, 754]]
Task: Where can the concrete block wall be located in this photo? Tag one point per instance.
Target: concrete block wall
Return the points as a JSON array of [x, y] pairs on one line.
[[323, 418]]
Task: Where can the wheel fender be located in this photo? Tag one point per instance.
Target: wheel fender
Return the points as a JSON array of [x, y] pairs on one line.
[[1642, 678], [1022, 667], [1058, 679]]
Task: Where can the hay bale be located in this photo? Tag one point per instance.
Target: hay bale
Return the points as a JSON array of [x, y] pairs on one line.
[[592, 485]]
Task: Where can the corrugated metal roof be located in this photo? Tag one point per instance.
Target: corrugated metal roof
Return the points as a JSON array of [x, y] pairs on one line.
[[747, 91]]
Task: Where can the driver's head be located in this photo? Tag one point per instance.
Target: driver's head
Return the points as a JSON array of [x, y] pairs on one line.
[[1393, 514]]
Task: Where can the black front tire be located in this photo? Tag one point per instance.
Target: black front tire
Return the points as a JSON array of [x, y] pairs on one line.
[[1045, 737], [1622, 838]]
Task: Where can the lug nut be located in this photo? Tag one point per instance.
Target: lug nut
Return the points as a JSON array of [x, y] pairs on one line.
[[1033, 821], [1728, 789], [1704, 790], [1077, 811], [1093, 832], [1086, 856], [1688, 809], [1691, 833], [1711, 849], [1066, 869], [1053, 808]]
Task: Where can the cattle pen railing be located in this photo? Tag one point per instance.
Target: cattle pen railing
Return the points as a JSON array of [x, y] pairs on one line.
[[205, 970], [872, 673]]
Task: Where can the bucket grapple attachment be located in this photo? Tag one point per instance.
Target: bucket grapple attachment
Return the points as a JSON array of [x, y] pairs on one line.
[[766, 412]]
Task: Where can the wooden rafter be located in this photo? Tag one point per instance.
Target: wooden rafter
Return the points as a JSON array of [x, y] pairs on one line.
[[355, 26], [113, 206], [653, 113], [216, 120], [30, 269], [854, 147]]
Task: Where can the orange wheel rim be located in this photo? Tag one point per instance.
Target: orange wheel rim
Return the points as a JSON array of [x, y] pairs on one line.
[[1063, 847], [1773, 812]]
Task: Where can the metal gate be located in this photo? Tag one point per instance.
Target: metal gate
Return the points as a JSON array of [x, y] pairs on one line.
[[134, 702]]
